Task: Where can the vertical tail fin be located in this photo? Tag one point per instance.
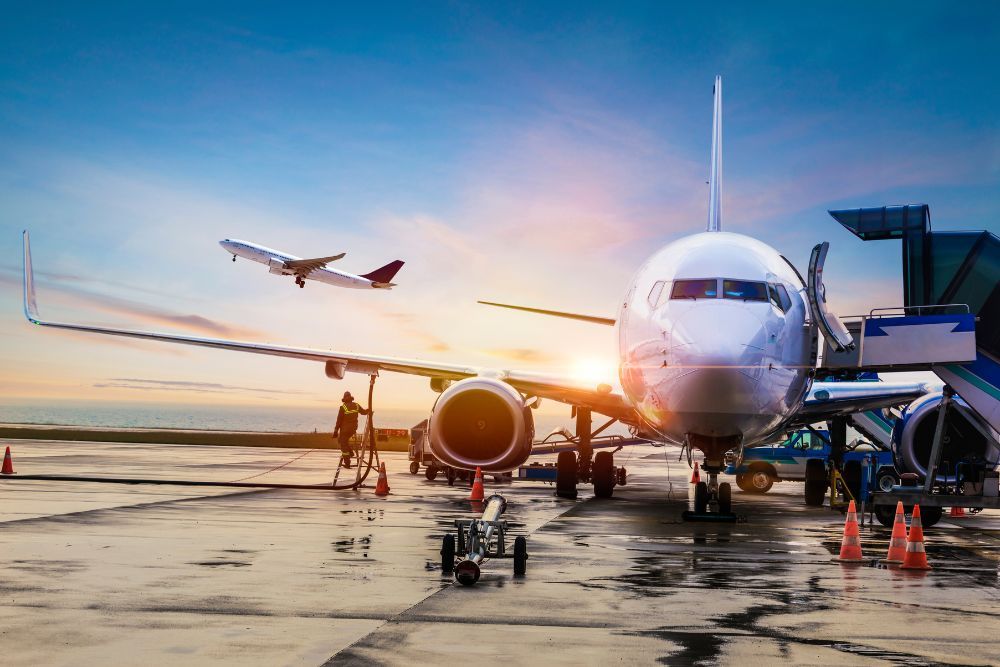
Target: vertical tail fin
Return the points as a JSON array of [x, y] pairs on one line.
[[384, 274], [715, 179]]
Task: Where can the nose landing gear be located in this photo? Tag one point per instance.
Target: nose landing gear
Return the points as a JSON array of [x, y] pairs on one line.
[[712, 501]]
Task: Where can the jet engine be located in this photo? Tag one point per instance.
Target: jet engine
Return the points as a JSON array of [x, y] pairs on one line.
[[481, 422], [277, 267], [964, 438]]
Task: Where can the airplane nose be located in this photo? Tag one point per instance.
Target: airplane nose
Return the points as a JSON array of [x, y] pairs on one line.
[[717, 352], [718, 335]]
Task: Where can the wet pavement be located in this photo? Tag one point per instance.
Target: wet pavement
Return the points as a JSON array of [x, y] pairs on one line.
[[133, 574]]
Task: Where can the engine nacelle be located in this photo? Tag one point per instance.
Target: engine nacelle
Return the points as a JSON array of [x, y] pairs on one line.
[[481, 422], [913, 438], [277, 267]]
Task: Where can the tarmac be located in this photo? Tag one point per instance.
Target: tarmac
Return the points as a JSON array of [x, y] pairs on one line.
[[159, 573]]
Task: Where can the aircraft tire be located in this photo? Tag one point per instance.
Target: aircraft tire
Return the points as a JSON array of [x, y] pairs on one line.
[[431, 472], [701, 498], [816, 482], [603, 473], [725, 498], [520, 556], [448, 553], [566, 475]]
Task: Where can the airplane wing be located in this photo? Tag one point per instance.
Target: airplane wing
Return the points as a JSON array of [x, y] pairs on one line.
[[593, 319], [600, 399], [839, 399], [304, 266]]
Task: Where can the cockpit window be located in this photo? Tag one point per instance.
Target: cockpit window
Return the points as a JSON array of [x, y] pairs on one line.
[[655, 294], [744, 289], [695, 289]]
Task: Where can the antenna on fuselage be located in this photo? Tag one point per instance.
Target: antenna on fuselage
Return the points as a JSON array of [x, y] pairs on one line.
[[715, 179]]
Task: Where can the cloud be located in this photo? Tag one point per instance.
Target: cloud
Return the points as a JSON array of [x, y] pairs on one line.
[[136, 310], [143, 384]]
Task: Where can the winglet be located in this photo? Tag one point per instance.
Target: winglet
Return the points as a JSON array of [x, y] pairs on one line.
[[715, 179], [30, 307]]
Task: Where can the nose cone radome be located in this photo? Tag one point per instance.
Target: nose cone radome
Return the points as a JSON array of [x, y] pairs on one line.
[[718, 335], [717, 353]]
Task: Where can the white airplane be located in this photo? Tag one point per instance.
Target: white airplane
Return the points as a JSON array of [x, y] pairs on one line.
[[718, 336], [283, 264]]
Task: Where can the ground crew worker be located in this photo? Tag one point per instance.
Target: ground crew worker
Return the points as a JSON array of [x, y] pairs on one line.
[[347, 426]]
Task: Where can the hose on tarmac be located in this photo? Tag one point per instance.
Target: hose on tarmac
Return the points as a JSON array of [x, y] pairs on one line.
[[367, 445]]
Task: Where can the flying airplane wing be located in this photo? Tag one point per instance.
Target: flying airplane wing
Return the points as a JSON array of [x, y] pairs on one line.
[[304, 266], [600, 399]]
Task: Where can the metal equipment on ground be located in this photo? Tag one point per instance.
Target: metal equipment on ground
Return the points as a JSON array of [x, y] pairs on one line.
[[478, 540]]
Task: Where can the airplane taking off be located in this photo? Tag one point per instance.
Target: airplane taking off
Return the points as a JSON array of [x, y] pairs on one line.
[[718, 337], [283, 264]]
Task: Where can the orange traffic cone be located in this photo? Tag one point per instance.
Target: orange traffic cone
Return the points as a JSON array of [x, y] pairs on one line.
[[897, 542], [382, 486], [957, 513], [8, 465], [695, 477], [477, 486], [916, 557], [850, 546]]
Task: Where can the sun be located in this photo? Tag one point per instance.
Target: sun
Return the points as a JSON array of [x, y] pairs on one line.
[[594, 371]]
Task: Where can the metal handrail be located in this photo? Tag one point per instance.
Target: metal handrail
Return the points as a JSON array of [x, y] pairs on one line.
[[916, 309]]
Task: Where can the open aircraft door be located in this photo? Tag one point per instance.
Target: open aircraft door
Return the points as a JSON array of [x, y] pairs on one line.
[[837, 335]]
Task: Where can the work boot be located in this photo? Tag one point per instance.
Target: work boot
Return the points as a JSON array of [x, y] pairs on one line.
[[345, 461]]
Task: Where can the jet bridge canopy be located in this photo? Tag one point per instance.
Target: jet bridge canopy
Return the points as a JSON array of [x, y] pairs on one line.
[[940, 268]]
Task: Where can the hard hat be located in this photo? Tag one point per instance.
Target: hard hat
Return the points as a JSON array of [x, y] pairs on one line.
[[347, 396]]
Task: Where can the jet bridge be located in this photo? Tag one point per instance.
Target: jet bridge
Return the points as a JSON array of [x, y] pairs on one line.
[[950, 319]]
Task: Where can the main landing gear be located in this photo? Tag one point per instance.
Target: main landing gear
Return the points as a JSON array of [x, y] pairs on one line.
[[712, 501], [583, 466], [300, 281], [234, 258]]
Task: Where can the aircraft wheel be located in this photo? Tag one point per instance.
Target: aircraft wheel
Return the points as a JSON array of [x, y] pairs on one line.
[[302, 284], [431, 472], [701, 498], [448, 553], [520, 556], [816, 482], [414, 467], [725, 498], [450, 475], [603, 473], [566, 475]]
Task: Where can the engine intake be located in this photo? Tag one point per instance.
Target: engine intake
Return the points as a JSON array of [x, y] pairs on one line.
[[913, 438], [481, 422]]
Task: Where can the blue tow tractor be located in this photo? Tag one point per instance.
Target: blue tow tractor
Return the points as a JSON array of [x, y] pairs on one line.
[[788, 461]]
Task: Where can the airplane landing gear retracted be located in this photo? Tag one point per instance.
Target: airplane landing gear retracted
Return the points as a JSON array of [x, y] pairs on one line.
[[480, 539]]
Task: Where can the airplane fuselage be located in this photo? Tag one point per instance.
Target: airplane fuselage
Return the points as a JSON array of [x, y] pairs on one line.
[[275, 259], [715, 341]]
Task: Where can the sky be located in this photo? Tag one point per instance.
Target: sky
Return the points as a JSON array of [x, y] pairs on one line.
[[533, 153]]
